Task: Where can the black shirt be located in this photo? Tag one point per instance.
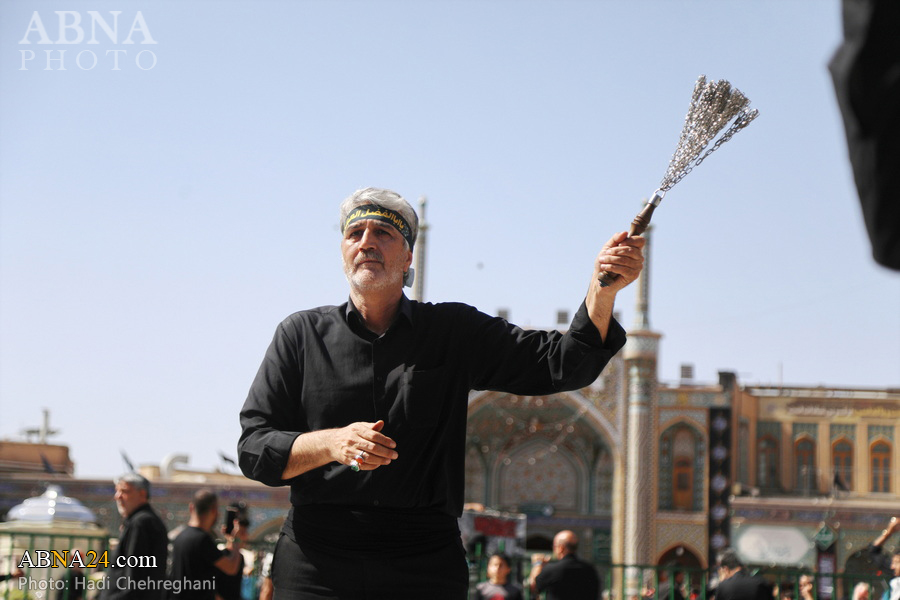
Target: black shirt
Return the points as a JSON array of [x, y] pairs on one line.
[[569, 578], [324, 370], [143, 535], [743, 586], [228, 587], [194, 554]]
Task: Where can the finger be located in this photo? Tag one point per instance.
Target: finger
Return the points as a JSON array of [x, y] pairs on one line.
[[635, 241], [615, 240], [370, 462], [374, 435], [381, 453], [366, 461], [631, 246], [622, 259], [627, 267], [363, 440], [378, 453], [364, 451]]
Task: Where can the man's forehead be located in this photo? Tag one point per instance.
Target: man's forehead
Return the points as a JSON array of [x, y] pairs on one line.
[[374, 222]]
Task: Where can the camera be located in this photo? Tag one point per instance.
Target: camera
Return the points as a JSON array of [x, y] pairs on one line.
[[230, 515], [235, 511]]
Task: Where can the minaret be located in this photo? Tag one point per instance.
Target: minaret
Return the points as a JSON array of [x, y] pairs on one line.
[[640, 356], [418, 290], [642, 316]]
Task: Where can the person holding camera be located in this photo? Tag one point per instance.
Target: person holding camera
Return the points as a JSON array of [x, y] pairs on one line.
[[195, 558], [228, 586]]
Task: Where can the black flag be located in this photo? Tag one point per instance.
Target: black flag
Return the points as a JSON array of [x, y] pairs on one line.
[[128, 464], [48, 468], [840, 484]]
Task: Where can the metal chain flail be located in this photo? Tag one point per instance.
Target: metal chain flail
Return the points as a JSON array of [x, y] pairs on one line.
[[713, 104]]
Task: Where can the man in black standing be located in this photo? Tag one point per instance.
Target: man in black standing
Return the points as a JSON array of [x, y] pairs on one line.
[[735, 583], [228, 587], [361, 409], [195, 558], [570, 577], [143, 542]]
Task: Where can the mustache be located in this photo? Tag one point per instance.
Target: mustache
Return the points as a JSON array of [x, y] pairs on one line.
[[365, 255]]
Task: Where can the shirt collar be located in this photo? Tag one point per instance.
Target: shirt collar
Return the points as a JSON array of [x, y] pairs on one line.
[[405, 310], [141, 508]]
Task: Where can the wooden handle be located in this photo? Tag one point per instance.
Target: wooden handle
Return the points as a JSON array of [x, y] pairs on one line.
[[638, 226]]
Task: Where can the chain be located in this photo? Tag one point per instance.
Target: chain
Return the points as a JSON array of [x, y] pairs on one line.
[[743, 119]]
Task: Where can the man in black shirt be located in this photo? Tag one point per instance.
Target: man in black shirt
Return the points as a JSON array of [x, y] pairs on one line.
[[195, 558], [361, 409], [144, 542], [228, 587], [569, 578], [735, 583]]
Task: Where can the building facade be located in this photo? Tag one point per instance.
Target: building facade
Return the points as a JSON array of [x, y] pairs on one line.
[[652, 473]]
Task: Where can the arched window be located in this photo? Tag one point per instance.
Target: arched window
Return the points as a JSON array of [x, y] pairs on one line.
[[881, 466], [842, 462], [681, 469], [683, 480], [767, 465], [805, 465]]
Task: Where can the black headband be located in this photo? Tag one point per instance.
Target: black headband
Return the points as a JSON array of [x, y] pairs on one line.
[[379, 213]]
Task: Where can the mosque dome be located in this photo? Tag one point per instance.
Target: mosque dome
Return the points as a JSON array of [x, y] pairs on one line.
[[51, 506]]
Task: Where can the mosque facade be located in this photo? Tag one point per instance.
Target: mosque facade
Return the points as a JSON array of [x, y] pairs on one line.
[[654, 474]]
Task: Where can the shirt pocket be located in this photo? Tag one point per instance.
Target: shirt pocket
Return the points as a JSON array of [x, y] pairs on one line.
[[421, 398]]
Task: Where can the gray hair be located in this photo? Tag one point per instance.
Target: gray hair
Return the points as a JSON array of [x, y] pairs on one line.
[[385, 199], [138, 482]]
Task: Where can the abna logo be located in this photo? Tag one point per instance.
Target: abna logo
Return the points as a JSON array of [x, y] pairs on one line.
[[70, 31]]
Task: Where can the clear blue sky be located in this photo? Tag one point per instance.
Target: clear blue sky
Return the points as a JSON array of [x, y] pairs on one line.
[[158, 221]]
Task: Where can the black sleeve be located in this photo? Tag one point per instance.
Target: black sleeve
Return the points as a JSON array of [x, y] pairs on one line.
[[879, 557], [545, 578], [536, 362], [864, 70], [271, 418]]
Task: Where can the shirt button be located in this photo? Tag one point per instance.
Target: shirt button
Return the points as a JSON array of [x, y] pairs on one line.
[[375, 502]]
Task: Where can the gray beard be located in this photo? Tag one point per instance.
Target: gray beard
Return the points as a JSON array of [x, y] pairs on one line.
[[362, 282]]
